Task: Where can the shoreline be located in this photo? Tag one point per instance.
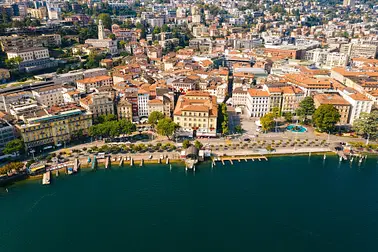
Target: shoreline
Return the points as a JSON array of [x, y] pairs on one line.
[[126, 164]]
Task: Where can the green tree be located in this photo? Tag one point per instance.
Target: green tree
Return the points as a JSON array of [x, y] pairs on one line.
[[267, 122], [14, 146], [106, 20], [166, 127], [276, 112], [154, 117], [325, 117], [127, 127], [198, 144], [13, 63], [367, 124], [106, 118], [156, 30], [288, 117], [165, 28], [112, 36], [238, 129], [185, 144], [306, 107]]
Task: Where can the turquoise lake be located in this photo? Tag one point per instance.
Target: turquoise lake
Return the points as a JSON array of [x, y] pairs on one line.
[[285, 204]]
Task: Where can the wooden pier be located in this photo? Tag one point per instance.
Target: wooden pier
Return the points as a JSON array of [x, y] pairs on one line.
[[238, 158], [107, 162]]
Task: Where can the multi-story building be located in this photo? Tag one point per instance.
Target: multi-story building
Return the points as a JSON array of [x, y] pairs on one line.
[[18, 42], [291, 97], [359, 51], [7, 133], [309, 83], [98, 104], [275, 97], [359, 102], [49, 96], [342, 74], [373, 95], [196, 113], [29, 54], [55, 127], [40, 13], [33, 59], [257, 102], [184, 84], [124, 110], [239, 97], [143, 98], [362, 83], [155, 105], [338, 102], [325, 58], [132, 97], [87, 84]]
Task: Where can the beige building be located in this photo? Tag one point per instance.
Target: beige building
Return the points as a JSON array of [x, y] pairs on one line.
[[16, 42], [155, 105], [39, 13], [291, 97], [124, 110], [239, 97], [49, 96], [338, 102], [98, 104], [54, 127], [87, 84], [196, 114]]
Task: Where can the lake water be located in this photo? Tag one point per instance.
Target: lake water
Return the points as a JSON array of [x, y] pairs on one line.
[[285, 204]]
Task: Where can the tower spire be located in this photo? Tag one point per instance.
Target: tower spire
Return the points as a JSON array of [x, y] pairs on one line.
[[100, 29]]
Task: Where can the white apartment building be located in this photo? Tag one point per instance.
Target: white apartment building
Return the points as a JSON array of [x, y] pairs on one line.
[[257, 102], [49, 96], [326, 58], [143, 98], [29, 54], [359, 103]]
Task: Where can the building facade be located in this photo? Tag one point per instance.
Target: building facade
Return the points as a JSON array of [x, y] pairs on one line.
[[196, 113], [87, 84], [56, 127], [257, 102], [98, 104]]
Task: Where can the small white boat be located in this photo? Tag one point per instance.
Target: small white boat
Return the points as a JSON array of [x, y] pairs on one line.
[[150, 157]]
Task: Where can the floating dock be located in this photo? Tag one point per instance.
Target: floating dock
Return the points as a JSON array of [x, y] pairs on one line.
[[121, 162], [46, 178]]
